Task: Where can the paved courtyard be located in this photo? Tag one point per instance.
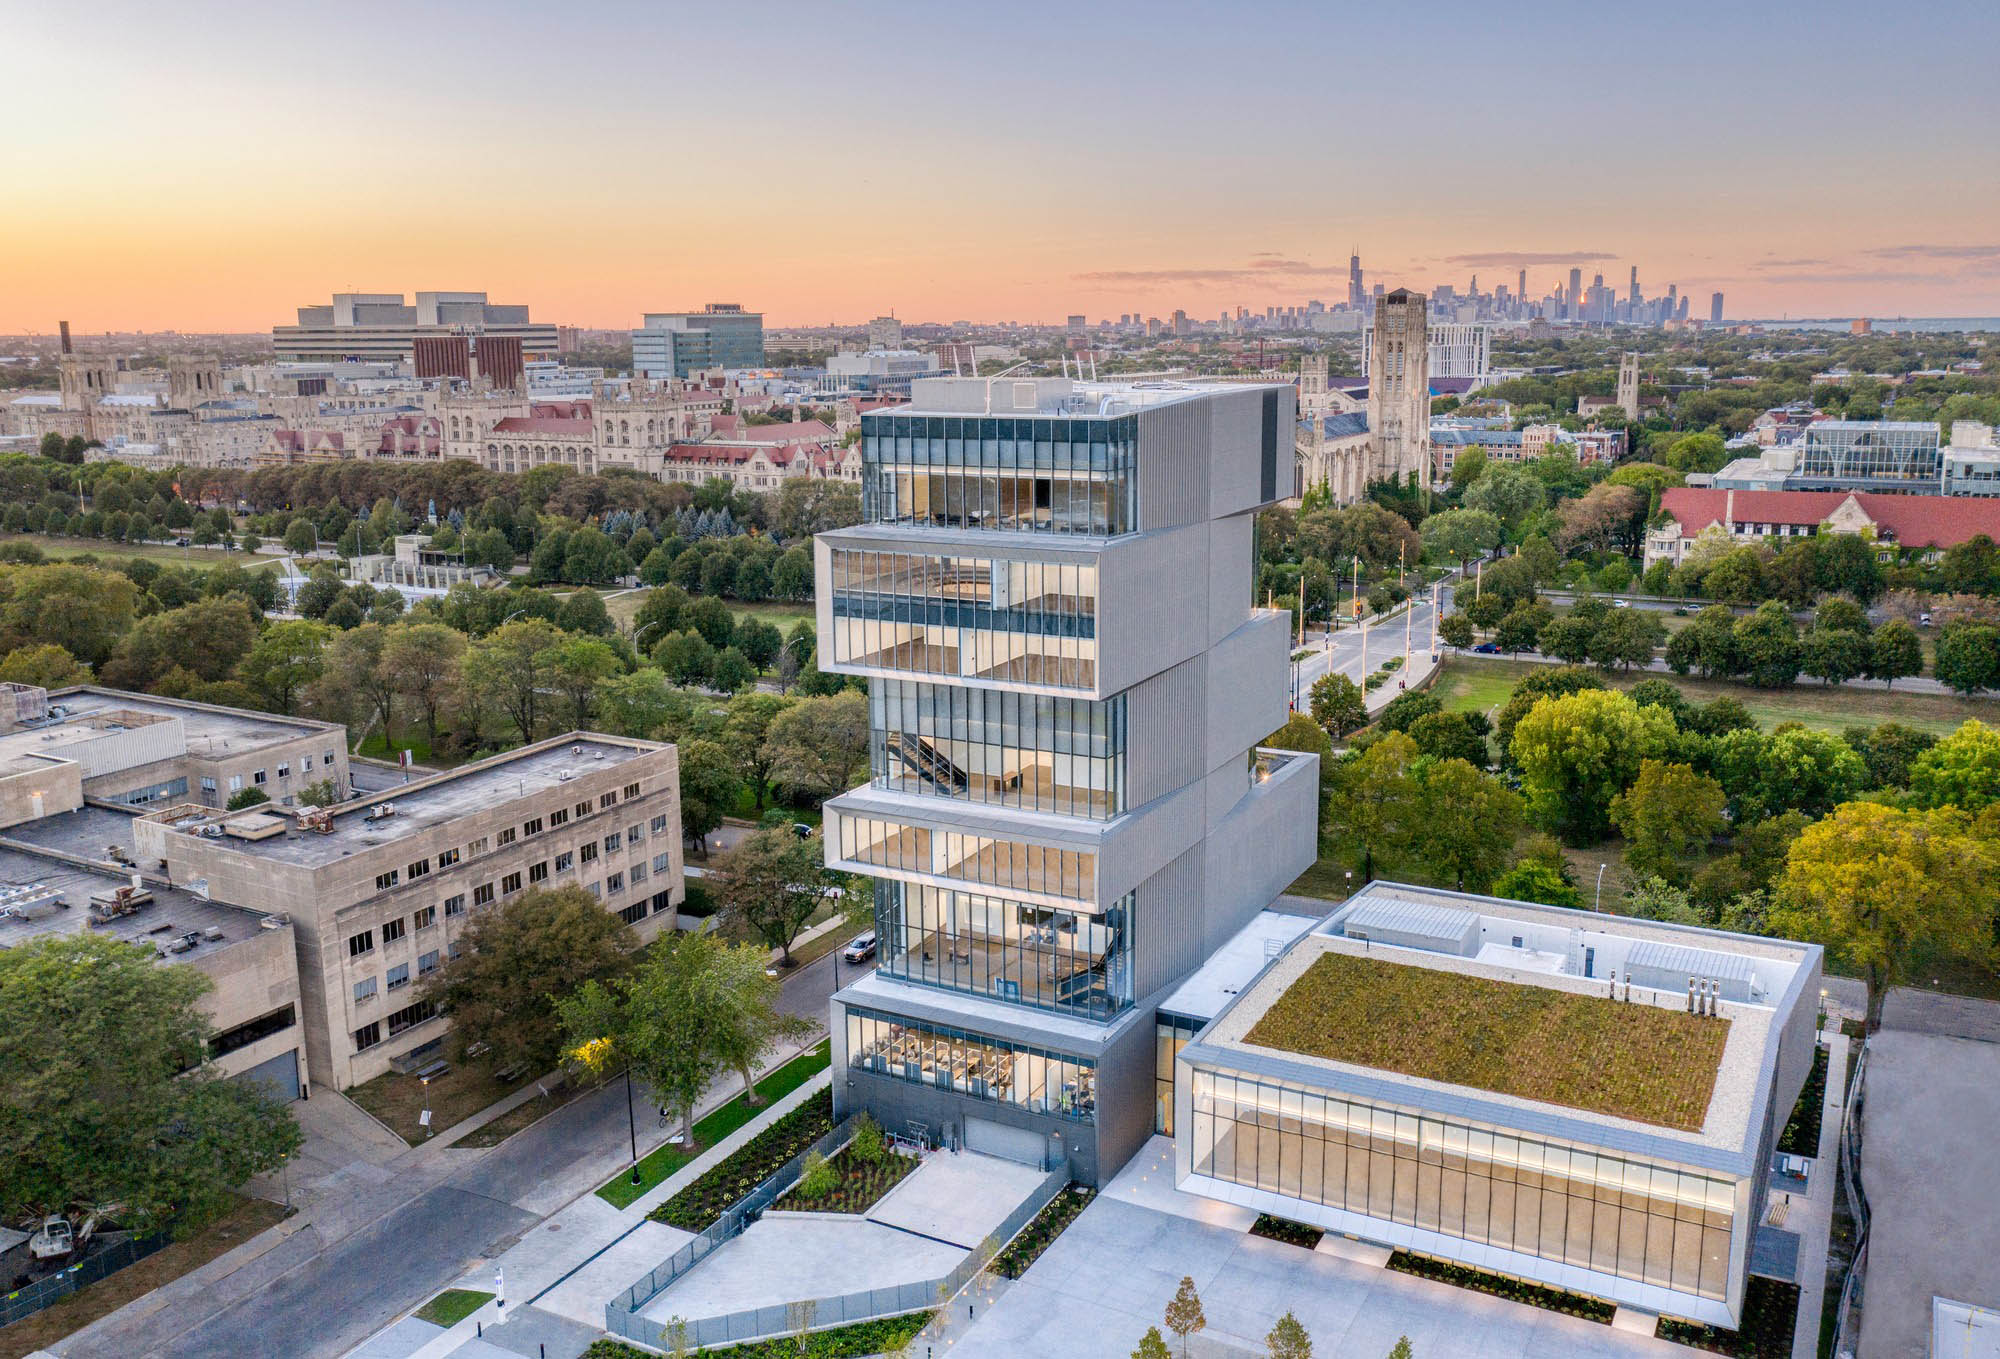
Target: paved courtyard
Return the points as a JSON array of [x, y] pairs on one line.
[[1110, 1276], [921, 1230]]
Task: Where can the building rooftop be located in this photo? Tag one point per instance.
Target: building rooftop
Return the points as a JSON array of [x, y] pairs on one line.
[[1047, 396], [1209, 988], [1584, 1051], [172, 914], [213, 733], [1502, 1011], [423, 805]]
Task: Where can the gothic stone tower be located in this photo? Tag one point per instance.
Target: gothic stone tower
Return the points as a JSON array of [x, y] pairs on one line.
[[1399, 386], [1628, 385]]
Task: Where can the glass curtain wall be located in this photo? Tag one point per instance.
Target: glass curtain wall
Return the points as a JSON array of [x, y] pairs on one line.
[[973, 1064], [1171, 1033], [1879, 451], [1009, 473], [1064, 755], [975, 617], [1010, 864], [1636, 1219], [1026, 955]]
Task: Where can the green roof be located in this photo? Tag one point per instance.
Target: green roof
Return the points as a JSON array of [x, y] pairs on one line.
[[1612, 1057]]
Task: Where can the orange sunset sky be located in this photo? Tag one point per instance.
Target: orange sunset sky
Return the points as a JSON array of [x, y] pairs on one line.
[[202, 166]]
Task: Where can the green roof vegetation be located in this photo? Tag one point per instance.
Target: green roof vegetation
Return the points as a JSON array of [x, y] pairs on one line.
[[1587, 1052]]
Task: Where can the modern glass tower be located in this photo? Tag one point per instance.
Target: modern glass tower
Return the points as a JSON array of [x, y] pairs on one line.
[[1051, 599]]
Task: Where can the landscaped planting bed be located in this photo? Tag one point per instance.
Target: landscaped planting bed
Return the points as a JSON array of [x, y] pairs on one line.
[[1801, 1135], [854, 1182], [696, 1208], [1770, 1314], [886, 1336], [1585, 1051], [1041, 1232], [1285, 1230], [1500, 1286]]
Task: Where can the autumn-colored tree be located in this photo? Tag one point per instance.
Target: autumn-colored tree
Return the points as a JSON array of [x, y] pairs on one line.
[[1184, 1315]]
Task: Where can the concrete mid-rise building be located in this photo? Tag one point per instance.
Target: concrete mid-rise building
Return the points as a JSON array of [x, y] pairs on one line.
[[1051, 598], [383, 327], [380, 891]]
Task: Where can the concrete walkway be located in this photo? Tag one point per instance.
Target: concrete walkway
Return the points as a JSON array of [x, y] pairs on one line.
[[1812, 1216]]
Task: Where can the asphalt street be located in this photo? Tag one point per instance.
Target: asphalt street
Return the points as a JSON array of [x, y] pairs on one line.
[[1343, 652]]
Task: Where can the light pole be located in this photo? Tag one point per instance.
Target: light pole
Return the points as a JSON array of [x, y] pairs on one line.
[[1600, 887], [632, 1120]]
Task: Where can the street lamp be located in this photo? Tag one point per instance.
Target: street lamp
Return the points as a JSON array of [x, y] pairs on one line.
[[1600, 887], [632, 1121]]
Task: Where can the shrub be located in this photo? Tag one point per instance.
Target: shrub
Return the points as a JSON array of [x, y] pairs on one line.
[[868, 1144], [818, 1179]]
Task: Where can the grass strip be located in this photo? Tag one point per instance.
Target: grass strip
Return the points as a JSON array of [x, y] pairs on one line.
[[664, 1161], [452, 1306]]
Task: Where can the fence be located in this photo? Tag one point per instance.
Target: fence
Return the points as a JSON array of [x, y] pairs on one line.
[[53, 1289], [760, 1323]]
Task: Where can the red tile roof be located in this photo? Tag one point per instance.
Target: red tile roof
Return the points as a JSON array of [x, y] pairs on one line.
[[1936, 521]]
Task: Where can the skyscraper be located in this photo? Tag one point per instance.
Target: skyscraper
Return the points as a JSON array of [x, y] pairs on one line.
[[1399, 386], [1715, 309], [1066, 676], [1523, 292], [1575, 294], [1356, 295], [1633, 295]]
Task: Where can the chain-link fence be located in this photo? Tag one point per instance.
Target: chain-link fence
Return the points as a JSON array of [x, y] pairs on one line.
[[113, 1256]]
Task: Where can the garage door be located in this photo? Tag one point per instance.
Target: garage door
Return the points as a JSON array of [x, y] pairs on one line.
[[998, 1139], [280, 1075]]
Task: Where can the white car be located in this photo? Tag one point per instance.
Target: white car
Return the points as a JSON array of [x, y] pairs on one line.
[[52, 1238]]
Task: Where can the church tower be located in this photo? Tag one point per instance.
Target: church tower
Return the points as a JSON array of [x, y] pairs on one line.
[[1628, 385], [1399, 387]]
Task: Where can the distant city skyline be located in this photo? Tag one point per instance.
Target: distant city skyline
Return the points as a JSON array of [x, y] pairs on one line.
[[183, 168]]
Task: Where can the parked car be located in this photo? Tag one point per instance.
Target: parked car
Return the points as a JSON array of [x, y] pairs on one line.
[[1487, 649], [1924, 620], [1621, 603], [1680, 611], [859, 949]]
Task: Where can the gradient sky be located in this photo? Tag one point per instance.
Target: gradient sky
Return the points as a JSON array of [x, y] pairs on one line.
[[207, 166]]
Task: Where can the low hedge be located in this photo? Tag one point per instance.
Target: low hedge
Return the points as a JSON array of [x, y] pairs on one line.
[[696, 1208], [1285, 1230], [1041, 1232], [1770, 1314], [838, 1342], [1501, 1286]]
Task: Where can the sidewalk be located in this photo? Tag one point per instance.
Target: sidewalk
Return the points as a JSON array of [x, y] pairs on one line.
[[561, 1272]]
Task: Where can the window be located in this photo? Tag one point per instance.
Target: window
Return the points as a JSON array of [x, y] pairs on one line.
[[455, 949], [447, 858], [367, 1036], [507, 836], [364, 990], [510, 884], [235, 783], [454, 905], [399, 975], [410, 1016], [419, 869], [425, 917], [392, 930], [427, 963], [614, 882], [384, 881], [532, 826], [479, 846], [596, 890], [634, 834], [284, 771], [358, 944], [582, 810], [660, 824], [631, 791], [662, 900], [539, 872], [243, 1035], [662, 863], [1036, 1079], [565, 861], [607, 800], [207, 784], [305, 763], [638, 874], [559, 817], [328, 757], [589, 851], [258, 777], [613, 841], [634, 913]]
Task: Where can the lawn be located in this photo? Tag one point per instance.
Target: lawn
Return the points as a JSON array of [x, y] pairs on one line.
[[1533, 1042], [452, 1306], [664, 1161], [109, 551], [1483, 684], [625, 606], [498, 1130], [244, 1220], [397, 1100]]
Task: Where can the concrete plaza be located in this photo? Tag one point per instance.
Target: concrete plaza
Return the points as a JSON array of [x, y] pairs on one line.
[[1111, 1274]]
